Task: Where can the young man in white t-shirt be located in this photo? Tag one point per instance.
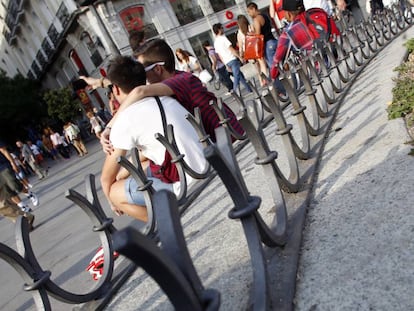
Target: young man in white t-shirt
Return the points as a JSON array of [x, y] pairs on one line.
[[229, 56], [136, 126]]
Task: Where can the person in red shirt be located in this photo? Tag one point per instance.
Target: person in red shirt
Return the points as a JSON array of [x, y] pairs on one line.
[[295, 36], [277, 14]]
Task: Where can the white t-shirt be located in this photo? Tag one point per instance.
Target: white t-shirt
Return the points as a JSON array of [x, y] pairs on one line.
[[56, 139], [192, 65], [137, 125], [323, 4], [221, 45]]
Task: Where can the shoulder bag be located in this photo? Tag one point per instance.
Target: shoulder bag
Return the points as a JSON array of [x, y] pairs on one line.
[[253, 46], [167, 171]]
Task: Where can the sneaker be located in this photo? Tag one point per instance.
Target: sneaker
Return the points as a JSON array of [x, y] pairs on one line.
[[26, 209], [46, 172], [96, 265], [34, 199]]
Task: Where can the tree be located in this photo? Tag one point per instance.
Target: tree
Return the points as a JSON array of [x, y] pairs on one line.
[[62, 105], [21, 106]]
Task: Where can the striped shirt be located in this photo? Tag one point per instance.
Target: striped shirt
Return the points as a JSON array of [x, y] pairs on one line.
[[190, 92]]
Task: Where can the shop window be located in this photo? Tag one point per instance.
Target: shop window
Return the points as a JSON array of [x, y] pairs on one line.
[[87, 41], [134, 18], [220, 5], [187, 11], [92, 48]]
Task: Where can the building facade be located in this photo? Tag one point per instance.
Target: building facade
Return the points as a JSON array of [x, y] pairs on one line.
[[56, 41]]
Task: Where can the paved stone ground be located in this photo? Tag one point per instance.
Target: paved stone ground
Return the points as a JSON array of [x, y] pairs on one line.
[[63, 240], [358, 239]]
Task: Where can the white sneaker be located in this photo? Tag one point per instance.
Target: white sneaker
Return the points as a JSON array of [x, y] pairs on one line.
[[33, 197], [96, 265], [26, 209]]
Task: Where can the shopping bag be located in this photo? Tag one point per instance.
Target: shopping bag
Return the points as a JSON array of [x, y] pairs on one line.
[[205, 76], [253, 46], [249, 70]]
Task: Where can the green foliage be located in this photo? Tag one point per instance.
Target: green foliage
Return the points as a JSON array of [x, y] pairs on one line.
[[410, 45], [403, 92], [403, 99], [20, 98], [61, 104], [21, 105]]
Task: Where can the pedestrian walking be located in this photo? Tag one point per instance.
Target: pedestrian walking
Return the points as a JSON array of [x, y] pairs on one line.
[[58, 143], [9, 184], [20, 175], [187, 62], [30, 159], [230, 56], [97, 124], [72, 134], [218, 67]]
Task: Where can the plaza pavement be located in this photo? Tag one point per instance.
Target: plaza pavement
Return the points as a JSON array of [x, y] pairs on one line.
[[357, 244], [358, 240]]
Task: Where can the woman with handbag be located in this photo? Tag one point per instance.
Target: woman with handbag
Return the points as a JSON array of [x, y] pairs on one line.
[[72, 135], [244, 29], [218, 67], [187, 62], [97, 125], [262, 25], [230, 57]]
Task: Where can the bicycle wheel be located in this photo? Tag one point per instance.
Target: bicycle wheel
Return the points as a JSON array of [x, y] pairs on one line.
[[217, 84]]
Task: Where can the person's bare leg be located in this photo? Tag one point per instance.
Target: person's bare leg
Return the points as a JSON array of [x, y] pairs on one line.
[[124, 173], [77, 147], [16, 199], [26, 183], [118, 198], [262, 69]]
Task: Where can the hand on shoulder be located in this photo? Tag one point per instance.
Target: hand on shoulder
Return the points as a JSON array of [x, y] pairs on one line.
[[105, 142]]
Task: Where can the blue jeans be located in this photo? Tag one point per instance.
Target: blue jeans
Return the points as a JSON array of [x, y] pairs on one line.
[[225, 78], [135, 196], [238, 75], [270, 51]]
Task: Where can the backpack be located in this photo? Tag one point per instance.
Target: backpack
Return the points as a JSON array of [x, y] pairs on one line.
[[167, 172], [320, 25]]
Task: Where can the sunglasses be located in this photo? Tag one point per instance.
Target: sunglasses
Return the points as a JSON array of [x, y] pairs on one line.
[[152, 66], [109, 91]]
